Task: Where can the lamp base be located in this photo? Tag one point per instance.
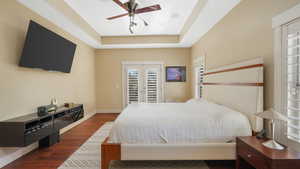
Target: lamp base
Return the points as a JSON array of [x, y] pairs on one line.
[[273, 145]]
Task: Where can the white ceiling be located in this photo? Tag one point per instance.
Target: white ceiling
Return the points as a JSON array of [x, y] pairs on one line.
[[210, 15], [168, 21]]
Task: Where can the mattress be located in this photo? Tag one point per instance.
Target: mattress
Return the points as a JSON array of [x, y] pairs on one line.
[[178, 123]]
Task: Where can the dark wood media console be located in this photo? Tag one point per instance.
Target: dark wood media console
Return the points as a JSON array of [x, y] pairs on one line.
[[25, 130]]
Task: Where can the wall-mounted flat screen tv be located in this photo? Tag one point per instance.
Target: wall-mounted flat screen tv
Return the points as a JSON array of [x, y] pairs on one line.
[[46, 50], [176, 74]]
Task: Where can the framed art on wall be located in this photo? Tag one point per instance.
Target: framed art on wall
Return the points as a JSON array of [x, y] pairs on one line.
[[175, 74]]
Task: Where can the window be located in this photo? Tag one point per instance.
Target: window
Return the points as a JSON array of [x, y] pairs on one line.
[[286, 27], [199, 80], [152, 85], [291, 78], [133, 86], [199, 75], [142, 83]]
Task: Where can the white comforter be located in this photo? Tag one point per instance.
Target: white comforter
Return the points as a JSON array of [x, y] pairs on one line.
[[178, 123]]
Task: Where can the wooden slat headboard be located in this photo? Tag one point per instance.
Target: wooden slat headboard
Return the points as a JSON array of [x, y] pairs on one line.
[[239, 87]]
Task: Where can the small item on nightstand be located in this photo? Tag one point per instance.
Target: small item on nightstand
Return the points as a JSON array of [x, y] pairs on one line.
[[262, 134]]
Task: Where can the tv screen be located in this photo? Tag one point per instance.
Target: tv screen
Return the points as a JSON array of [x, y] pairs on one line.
[[46, 50], [176, 74]]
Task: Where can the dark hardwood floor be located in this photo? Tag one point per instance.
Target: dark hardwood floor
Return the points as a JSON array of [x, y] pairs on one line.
[[53, 157]]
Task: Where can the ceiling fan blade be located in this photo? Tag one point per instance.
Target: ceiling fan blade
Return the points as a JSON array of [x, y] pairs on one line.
[[118, 16], [148, 9], [121, 4]]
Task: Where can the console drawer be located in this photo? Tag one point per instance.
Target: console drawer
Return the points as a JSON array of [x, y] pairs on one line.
[[37, 135], [62, 122]]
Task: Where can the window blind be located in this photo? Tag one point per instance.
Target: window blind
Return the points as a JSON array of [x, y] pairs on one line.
[[152, 86], [201, 74], [293, 81], [133, 86]]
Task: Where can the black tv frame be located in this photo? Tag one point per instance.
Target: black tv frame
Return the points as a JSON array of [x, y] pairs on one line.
[[179, 67], [28, 47]]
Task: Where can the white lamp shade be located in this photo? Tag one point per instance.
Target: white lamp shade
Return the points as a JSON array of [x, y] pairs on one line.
[[271, 114], [266, 115]]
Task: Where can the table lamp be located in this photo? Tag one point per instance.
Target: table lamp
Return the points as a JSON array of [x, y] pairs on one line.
[[271, 115]]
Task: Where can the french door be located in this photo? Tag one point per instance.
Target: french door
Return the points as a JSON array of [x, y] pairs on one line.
[[142, 83], [291, 80]]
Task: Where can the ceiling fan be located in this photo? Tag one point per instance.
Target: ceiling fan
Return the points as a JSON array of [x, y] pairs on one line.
[[132, 9]]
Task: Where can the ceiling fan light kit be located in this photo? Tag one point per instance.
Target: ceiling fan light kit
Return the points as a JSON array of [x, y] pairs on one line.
[[132, 11]]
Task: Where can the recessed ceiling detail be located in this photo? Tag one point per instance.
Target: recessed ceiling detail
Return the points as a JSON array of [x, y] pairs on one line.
[[110, 40], [161, 22], [179, 23]]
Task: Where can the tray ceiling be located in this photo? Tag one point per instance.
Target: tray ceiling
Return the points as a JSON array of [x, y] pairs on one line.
[[167, 21], [180, 23]]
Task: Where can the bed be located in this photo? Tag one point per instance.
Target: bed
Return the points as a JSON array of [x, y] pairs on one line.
[[202, 129], [178, 123]]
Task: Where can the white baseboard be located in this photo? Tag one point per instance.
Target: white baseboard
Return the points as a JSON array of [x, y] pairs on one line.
[[109, 111], [8, 155]]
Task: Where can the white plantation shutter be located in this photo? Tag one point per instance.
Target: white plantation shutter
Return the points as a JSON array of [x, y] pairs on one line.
[[143, 83], [200, 82], [152, 86], [292, 81], [132, 86], [199, 72]]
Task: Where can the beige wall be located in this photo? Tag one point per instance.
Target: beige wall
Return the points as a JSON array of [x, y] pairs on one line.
[[22, 90], [109, 73], [245, 33]]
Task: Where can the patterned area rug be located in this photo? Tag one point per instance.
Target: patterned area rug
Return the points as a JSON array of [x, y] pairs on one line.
[[88, 157]]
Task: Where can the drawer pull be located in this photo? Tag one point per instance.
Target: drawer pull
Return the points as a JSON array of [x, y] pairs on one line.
[[249, 155]]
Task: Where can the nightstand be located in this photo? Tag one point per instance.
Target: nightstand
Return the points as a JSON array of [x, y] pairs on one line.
[[251, 153]]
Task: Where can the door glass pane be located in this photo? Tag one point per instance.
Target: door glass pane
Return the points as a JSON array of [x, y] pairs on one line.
[[143, 84], [152, 86], [293, 85], [133, 86]]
